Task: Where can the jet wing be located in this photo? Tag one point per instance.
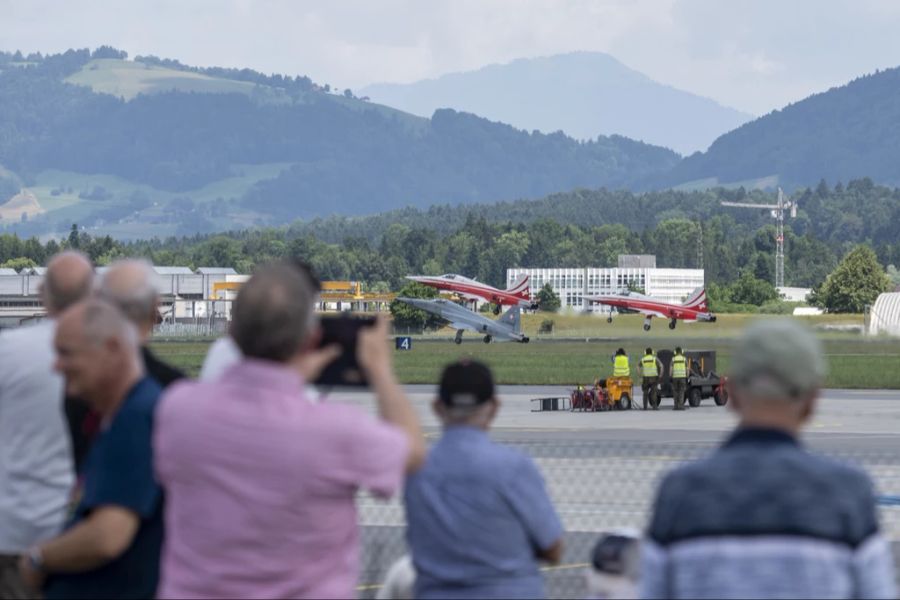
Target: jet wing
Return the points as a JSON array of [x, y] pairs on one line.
[[650, 312]]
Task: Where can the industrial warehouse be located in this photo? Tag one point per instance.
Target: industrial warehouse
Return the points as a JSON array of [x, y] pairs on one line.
[[201, 297]]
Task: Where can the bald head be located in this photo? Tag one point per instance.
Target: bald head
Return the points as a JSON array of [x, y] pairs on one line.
[[97, 352], [68, 280], [130, 286]]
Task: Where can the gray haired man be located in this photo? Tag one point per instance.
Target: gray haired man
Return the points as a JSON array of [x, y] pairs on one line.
[[130, 286], [769, 519]]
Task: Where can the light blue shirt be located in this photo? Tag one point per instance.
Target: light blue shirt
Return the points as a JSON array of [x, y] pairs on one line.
[[478, 514], [36, 472]]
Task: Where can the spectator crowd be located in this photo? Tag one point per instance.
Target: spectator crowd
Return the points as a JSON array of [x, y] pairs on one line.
[[122, 478]]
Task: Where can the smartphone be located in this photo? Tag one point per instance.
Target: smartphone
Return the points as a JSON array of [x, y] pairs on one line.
[[343, 330]]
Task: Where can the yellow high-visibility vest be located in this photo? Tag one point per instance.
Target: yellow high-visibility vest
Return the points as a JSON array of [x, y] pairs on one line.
[[621, 367], [679, 367], [649, 365]]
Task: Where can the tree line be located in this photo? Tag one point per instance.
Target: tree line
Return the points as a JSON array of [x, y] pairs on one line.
[[738, 264]]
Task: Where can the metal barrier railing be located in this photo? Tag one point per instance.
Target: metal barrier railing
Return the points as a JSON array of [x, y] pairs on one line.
[[596, 487]]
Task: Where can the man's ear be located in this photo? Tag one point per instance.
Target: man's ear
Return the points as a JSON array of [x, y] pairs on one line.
[[112, 345], [734, 402], [809, 406], [495, 408], [313, 338], [438, 407]]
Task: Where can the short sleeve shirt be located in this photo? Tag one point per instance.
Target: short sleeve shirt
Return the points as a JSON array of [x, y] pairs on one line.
[[118, 471], [261, 484], [478, 514]]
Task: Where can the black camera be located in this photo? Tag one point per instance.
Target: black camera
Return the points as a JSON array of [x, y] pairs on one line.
[[344, 371]]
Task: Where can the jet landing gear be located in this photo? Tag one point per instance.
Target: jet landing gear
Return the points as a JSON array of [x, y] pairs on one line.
[[458, 338], [672, 324], [497, 309], [647, 324], [487, 339]]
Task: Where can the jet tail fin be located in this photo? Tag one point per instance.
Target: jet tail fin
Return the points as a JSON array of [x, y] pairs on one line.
[[697, 300], [513, 318], [521, 288]]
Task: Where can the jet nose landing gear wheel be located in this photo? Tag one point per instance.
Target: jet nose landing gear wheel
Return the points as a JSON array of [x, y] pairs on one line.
[[496, 309], [487, 339], [672, 324], [646, 326], [458, 338]]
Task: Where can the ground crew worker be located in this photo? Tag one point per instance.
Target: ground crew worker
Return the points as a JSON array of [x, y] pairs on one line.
[[621, 368], [650, 368], [679, 378]]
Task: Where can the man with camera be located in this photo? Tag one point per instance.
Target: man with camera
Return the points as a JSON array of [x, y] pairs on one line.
[[260, 480]]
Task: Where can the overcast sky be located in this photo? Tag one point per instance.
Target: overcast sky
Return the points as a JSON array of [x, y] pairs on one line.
[[754, 55]]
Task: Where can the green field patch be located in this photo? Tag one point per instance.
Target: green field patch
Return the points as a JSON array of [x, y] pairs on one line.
[[62, 195], [126, 79], [854, 362]]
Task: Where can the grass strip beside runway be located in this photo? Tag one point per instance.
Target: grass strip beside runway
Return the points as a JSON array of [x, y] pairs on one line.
[[854, 362]]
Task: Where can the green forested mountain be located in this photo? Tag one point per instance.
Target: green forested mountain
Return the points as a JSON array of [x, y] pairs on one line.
[[844, 133], [153, 146]]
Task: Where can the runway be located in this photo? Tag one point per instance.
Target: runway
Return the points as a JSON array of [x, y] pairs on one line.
[[845, 420], [602, 469]]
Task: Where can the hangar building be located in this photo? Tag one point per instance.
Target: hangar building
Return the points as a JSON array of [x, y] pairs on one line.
[[884, 317]]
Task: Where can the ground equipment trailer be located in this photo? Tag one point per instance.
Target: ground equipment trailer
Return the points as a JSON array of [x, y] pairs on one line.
[[702, 382], [612, 393]]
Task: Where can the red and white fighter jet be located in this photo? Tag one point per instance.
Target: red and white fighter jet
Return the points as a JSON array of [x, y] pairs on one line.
[[693, 309], [517, 295]]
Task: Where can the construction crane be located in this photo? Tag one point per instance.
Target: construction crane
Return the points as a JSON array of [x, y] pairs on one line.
[[777, 211]]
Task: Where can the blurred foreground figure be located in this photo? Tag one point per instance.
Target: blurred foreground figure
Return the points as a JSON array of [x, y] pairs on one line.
[[399, 582], [35, 458], [615, 564], [129, 286], [763, 517], [479, 519], [111, 545], [260, 482]]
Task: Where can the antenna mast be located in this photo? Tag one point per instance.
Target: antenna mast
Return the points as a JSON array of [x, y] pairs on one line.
[[700, 246], [779, 242], [777, 211]]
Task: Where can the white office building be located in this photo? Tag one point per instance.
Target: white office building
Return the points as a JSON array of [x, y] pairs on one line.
[[572, 285]]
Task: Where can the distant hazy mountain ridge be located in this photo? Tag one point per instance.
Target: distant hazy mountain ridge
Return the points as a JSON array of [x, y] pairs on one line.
[[584, 94]]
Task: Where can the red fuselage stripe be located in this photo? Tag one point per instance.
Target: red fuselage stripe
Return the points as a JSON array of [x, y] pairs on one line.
[[482, 291]]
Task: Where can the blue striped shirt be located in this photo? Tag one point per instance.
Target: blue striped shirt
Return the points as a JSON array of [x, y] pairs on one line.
[[763, 518]]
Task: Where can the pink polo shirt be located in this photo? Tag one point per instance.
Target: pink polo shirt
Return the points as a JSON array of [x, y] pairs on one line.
[[260, 486]]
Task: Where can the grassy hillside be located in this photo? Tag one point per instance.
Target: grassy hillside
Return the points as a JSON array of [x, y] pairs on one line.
[[126, 79], [110, 205], [179, 129]]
